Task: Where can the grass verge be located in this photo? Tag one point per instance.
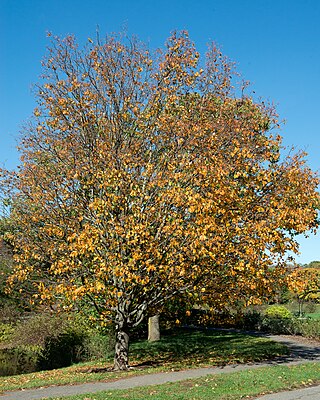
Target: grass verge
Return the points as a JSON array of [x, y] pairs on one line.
[[232, 386], [180, 350]]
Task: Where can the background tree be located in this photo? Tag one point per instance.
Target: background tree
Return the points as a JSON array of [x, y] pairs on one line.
[[313, 264], [13, 304], [6, 262], [144, 176], [304, 283]]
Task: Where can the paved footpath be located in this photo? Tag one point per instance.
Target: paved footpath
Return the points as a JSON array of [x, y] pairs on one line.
[[311, 393], [300, 352]]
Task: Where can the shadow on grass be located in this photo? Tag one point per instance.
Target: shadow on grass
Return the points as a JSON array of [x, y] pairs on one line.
[[186, 347]]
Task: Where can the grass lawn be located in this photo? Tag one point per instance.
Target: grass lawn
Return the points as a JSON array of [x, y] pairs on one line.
[[180, 350], [315, 314], [237, 385]]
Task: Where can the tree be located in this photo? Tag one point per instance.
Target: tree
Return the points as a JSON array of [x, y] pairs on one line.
[[304, 283], [144, 176], [313, 264], [11, 304], [5, 267]]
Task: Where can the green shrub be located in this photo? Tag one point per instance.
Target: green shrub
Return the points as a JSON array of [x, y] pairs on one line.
[[9, 313], [305, 327], [97, 346], [277, 319], [276, 325], [36, 329], [6, 332], [277, 311]]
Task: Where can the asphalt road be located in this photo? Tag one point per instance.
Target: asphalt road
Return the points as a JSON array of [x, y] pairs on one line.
[[301, 352]]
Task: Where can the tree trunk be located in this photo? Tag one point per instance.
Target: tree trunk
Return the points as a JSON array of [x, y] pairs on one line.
[[153, 328], [300, 301], [121, 354]]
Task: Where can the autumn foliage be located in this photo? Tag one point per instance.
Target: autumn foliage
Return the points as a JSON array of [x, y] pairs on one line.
[[144, 175], [304, 283]]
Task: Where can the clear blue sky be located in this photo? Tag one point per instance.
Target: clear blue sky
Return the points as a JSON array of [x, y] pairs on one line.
[[275, 43]]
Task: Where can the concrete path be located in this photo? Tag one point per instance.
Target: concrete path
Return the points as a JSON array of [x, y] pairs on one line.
[[311, 393], [301, 352]]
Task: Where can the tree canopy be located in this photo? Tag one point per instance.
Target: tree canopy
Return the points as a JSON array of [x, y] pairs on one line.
[[146, 174]]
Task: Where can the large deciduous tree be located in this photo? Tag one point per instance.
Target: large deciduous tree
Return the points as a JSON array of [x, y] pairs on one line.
[[144, 175]]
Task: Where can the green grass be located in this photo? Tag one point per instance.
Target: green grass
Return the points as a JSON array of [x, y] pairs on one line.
[[315, 315], [236, 385], [189, 348], [179, 350]]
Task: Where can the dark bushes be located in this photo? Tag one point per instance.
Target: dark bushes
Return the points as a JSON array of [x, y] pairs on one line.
[[47, 341], [62, 350], [19, 360]]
